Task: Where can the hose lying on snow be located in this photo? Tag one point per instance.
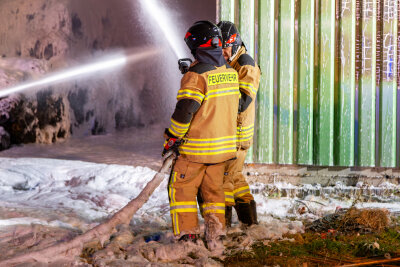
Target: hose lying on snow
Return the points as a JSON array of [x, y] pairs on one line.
[[102, 232]]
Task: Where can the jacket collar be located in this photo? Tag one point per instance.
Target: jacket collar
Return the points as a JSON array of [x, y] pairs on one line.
[[241, 51], [210, 56]]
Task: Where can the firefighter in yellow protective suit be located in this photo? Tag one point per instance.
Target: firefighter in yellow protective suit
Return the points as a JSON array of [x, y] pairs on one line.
[[204, 124], [237, 191]]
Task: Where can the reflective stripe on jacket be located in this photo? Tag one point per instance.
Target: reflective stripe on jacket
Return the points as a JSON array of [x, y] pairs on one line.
[[210, 137]]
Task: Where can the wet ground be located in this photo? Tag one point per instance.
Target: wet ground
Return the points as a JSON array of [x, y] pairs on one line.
[[134, 147], [280, 204]]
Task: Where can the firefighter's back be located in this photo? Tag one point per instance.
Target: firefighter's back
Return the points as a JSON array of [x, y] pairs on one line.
[[211, 137]]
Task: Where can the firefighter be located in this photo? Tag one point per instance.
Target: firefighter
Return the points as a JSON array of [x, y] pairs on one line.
[[237, 191], [204, 126]]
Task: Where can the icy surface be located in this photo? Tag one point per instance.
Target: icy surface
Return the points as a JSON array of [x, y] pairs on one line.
[[93, 191]]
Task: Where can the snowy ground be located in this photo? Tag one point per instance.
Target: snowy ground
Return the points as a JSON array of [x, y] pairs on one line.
[[72, 194], [93, 191]]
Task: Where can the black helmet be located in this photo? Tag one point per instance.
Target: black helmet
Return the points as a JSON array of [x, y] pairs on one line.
[[230, 36], [203, 34]]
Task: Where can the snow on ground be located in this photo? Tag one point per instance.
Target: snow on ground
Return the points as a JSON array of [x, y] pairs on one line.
[[92, 191], [95, 191]]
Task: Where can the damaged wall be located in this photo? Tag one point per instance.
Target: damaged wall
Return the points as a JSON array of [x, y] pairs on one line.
[[42, 36]]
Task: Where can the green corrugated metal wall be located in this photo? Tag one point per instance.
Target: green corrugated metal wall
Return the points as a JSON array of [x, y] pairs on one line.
[[329, 86]]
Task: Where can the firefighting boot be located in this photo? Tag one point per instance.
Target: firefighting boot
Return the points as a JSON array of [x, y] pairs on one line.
[[228, 216], [253, 211], [245, 212], [189, 238]]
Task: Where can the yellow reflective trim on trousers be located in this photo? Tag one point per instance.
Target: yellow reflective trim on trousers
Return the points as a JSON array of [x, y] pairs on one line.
[[175, 223], [205, 205], [174, 216], [207, 154], [186, 125], [242, 194], [229, 197], [241, 189], [172, 188], [171, 182], [184, 210], [214, 211], [213, 208], [184, 203]]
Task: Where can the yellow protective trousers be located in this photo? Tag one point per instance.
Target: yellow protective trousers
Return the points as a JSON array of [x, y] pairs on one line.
[[186, 179], [235, 184]]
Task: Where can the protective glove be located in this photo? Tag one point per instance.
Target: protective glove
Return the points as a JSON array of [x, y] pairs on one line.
[[172, 144]]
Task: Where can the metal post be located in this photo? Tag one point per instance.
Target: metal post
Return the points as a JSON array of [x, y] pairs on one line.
[[367, 86], [388, 89], [265, 99], [306, 83], [246, 29], [326, 84], [344, 147]]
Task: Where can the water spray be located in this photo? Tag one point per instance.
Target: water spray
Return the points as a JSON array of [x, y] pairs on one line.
[[160, 14], [157, 11], [109, 62]]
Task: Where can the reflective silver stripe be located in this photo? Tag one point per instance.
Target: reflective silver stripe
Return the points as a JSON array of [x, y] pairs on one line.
[[188, 141], [189, 92], [213, 208], [200, 97], [229, 196], [176, 224], [248, 86], [247, 190], [179, 127], [175, 132], [244, 129], [184, 207], [207, 150], [222, 92]]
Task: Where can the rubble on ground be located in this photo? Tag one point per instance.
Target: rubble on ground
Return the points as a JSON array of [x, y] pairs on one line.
[[352, 220]]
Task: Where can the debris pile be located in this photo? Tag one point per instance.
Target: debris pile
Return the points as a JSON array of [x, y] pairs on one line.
[[352, 220]]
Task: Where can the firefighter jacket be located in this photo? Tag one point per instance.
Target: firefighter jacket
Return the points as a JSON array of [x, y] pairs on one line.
[[206, 113], [249, 79]]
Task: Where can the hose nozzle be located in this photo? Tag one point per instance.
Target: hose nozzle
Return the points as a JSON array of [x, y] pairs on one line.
[[184, 64]]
